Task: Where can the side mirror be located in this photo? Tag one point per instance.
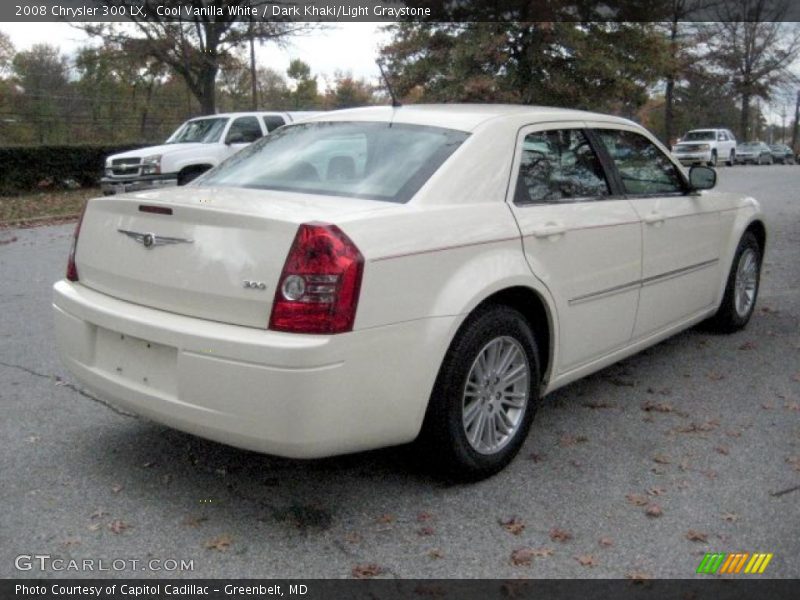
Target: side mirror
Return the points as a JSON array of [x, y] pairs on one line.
[[702, 178]]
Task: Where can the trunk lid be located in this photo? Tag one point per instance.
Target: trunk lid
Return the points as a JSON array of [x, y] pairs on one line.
[[197, 260]]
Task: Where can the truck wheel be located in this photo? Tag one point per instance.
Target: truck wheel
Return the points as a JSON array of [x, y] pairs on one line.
[[713, 161], [731, 158]]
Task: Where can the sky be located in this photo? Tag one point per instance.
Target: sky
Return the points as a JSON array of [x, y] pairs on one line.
[[346, 47]]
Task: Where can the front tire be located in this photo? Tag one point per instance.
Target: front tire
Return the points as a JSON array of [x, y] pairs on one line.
[[741, 290], [731, 159], [484, 398], [713, 161]]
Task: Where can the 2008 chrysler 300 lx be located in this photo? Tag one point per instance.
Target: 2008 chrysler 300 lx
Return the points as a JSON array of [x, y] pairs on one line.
[[374, 276]]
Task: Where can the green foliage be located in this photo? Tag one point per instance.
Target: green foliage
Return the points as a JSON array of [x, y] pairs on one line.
[[305, 95], [597, 65], [31, 167]]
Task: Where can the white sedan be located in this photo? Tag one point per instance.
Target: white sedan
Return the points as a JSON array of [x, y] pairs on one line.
[[381, 275]]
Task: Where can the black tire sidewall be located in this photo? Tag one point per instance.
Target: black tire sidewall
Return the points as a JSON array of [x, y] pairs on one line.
[[444, 421], [727, 318]]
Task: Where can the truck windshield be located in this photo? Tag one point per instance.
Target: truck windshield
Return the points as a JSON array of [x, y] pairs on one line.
[[204, 131], [373, 160], [696, 136]]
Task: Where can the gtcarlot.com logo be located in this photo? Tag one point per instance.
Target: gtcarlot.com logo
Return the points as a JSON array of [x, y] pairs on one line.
[[46, 562], [723, 563]]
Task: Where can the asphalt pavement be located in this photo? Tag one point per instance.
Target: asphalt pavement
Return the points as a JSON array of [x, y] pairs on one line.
[[692, 446]]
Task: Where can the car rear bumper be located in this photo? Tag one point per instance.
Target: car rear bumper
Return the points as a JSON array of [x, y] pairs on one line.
[[116, 185], [300, 396]]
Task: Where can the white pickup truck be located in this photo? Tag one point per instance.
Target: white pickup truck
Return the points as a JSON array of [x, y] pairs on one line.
[[195, 147]]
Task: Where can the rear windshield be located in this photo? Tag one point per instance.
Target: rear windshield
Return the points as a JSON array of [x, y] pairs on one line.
[[698, 136], [205, 131], [377, 161]]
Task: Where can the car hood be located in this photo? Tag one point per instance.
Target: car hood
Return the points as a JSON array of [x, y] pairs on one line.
[[151, 150]]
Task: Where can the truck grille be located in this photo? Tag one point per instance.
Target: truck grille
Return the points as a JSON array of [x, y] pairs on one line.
[[689, 148], [125, 167]]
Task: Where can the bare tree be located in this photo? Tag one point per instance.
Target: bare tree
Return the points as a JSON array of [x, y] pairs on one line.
[[195, 46], [755, 48]]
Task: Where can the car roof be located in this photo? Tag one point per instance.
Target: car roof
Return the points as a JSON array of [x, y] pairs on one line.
[[464, 117], [249, 113]]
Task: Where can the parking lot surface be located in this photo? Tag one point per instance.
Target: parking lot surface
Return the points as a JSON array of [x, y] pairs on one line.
[[692, 446]]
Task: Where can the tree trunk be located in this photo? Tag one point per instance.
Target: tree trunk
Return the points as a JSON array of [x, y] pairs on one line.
[[208, 83], [744, 119], [669, 95]]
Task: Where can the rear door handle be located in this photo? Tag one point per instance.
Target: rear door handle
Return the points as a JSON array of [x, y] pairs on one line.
[[654, 218], [549, 229]]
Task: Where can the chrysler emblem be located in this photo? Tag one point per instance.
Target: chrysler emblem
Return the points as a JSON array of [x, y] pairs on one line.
[[149, 240]]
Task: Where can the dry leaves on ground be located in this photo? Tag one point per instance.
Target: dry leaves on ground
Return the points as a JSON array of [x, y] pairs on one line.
[[605, 542], [587, 560], [568, 441], [118, 526], [637, 499], [560, 535], [653, 510], [220, 543], [366, 571], [696, 536], [730, 517], [513, 525]]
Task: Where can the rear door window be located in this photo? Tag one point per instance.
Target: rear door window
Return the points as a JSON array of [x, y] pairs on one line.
[[559, 166]]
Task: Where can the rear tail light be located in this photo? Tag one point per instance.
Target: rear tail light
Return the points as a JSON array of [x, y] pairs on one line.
[[72, 270], [319, 287]]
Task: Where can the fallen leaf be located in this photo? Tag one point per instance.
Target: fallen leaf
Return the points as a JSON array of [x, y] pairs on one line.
[[638, 576], [116, 488], [385, 519], [696, 536], [715, 376], [637, 499], [722, 450], [662, 407], [598, 404], [71, 542], [542, 552], [794, 461], [148, 464], [513, 525], [435, 553], [795, 406], [98, 514], [560, 535], [735, 433], [424, 516], [697, 427], [653, 510], [94, 526], [220, 543], [118, 526], [366, 571], [605, 542], [567, 441], [425, 531], [748, 346], [662, 459], [352, 537], [656, 491], [796, 377], [586, 560], [194, 521], [658, 470], [767, 405], [32, 439], [521, 557], [730, 517], [8, 241]]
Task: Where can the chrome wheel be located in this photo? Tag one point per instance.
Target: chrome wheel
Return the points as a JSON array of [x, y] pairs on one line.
[[746, 282], [496, 395]]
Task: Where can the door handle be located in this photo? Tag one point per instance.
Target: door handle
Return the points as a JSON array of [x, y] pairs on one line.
[[654, 218], [549, 229]]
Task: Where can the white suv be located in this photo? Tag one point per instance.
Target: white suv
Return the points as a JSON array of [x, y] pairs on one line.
[[706, 146], [195, 147]]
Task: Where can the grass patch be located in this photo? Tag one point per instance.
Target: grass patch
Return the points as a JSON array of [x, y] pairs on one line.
[[38, 205]]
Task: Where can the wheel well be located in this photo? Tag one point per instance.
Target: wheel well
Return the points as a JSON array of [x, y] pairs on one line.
[[757, 229], [192, 168], [533, 308]]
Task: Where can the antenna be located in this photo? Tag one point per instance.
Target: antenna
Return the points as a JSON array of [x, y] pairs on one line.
[[395, 101]]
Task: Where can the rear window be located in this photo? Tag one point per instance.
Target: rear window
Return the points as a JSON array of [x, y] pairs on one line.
[[699, 136], [376, 161]]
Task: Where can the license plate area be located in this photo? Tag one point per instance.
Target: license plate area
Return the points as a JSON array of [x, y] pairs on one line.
[[140, 362]]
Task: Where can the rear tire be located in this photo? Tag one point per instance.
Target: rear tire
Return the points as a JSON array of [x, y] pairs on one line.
[[484, 398], [741, 290]]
